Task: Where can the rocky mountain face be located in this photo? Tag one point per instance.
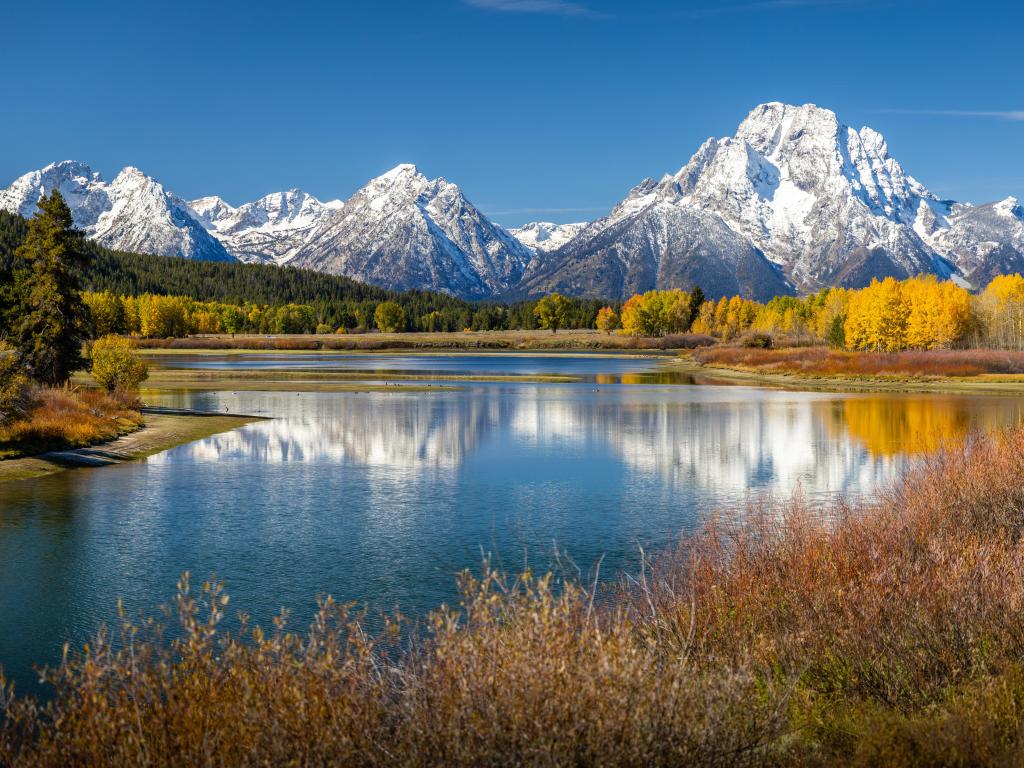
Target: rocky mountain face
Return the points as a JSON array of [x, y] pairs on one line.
[[270, 230], [131, 213], [405, 231], [796, 191], [648, 242], [982, 241], [793, 202]]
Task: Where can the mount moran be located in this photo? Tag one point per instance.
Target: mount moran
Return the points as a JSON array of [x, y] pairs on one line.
[[795, 201]]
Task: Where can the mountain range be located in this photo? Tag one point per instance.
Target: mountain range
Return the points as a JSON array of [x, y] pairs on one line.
[[793, 202]]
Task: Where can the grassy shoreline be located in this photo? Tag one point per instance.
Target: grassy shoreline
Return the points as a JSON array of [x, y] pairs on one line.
[[159, 433], [565, 341], [722, 373]]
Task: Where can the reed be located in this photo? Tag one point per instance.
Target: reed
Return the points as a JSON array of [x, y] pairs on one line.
[[821, 361], [67, 417], [886, 633]]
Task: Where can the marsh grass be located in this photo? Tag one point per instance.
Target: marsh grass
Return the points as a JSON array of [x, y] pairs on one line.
[[67, 417], [886, 633], [582, 340], [821, 361]]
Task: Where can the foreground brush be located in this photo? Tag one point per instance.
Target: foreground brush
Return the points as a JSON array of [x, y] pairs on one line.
[[886, 633]]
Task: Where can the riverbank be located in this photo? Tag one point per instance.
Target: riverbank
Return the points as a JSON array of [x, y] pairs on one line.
[[277, 380], [160, 432], [574, 340], [789, 369]]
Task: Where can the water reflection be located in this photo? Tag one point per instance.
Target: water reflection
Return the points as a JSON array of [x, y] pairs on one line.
[[720, 440], [891, 425], [382, 497]]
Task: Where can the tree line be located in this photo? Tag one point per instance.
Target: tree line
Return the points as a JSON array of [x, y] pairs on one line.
[[272, 299], [888, 315]]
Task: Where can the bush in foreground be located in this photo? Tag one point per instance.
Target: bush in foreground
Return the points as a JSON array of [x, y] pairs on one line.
[[62, 418], [116, 363], [883, 634]]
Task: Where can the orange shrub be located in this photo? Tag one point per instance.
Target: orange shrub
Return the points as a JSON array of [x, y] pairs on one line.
[[69, 418]]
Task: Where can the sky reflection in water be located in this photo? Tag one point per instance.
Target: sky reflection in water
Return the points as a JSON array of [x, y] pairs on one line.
[[382, 497]]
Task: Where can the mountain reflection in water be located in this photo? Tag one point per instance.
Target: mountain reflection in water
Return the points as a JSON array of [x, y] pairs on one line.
[[381, 497]]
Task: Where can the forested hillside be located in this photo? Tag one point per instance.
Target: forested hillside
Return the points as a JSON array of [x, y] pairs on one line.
[[334, 301]]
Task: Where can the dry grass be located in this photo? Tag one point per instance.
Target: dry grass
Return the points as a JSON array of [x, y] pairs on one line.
[[821, 361], [483, 340], [887, 634], [69, 418]]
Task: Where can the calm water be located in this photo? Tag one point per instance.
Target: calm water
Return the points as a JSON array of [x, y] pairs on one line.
[[382, 497]]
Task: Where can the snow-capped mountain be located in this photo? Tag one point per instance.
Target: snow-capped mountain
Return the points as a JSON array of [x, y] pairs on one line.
[[131, 213], [983, 241], [271, 229], [405, 231], [793, 202], [647, 243], [546, 236], [821, 202]]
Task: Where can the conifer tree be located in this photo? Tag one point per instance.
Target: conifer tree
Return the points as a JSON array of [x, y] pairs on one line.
[[51, 320]]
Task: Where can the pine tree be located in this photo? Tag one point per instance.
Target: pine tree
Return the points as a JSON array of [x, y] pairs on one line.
[[696, 302], [51, 320]]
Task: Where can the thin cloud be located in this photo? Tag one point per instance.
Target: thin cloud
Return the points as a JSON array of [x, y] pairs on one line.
[[770, 5], [549, 7], [1012, 115]]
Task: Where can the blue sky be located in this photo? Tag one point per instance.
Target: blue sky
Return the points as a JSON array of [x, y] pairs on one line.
[[539, 109]]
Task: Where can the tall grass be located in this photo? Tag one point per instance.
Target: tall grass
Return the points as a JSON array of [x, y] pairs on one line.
[[890, 633], [824, 361], [64, 418], [483, 340]]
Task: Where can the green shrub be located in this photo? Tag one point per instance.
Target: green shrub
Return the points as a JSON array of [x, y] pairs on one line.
[[758, 341], [116, 363]]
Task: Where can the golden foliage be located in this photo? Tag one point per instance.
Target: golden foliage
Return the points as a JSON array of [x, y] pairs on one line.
[[65, 418]]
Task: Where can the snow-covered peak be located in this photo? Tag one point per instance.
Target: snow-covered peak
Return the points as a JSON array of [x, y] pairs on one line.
[[270, 229], [209, 211], [403, 230], [546, 236], [824, 202], [132, 213], [402, 173], [82, 188], [1010, 208]]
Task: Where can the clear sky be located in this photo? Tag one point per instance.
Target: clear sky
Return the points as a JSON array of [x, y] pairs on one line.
[[538, 109]]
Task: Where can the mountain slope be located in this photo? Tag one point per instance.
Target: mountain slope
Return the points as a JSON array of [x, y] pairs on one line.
[[984, 240], [822, 202], [404, 231], [649, 242], [131, 213], [272, 229]]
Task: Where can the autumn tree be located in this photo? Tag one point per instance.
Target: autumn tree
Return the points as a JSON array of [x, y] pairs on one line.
[[1002, 311], [656, 313], [106, 311], [116, 363], [390, 317], [51, 320], [607, 319], [16, 389], [552, 311]]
